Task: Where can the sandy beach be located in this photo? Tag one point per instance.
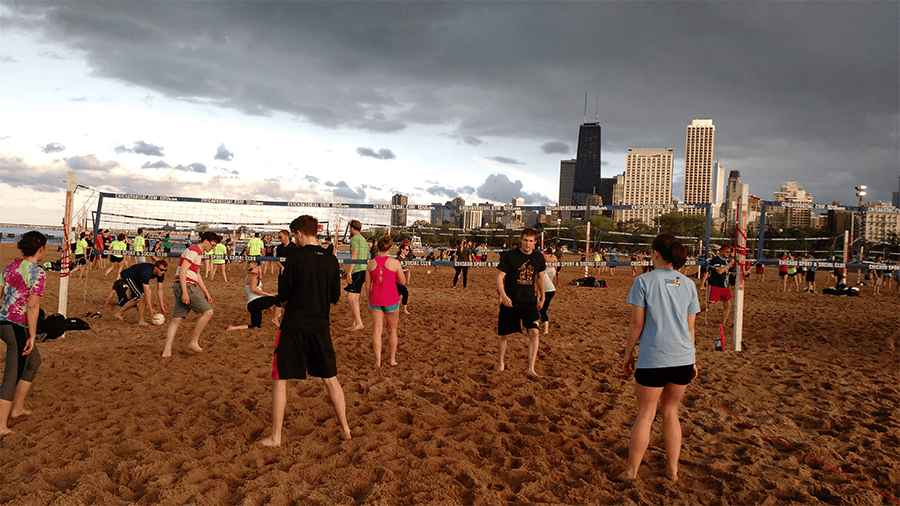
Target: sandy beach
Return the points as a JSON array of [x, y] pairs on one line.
[[809, 412]]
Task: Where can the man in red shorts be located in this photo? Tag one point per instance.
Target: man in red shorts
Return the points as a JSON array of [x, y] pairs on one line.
[[719, 266]]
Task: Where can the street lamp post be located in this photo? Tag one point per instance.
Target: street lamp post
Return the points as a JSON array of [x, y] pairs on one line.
[[860, 193]]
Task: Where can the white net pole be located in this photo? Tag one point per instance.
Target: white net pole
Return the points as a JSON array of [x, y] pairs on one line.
[[67, 250], [741, 260]]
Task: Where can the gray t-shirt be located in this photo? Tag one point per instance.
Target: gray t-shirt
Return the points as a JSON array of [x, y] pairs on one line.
[[667, 297]]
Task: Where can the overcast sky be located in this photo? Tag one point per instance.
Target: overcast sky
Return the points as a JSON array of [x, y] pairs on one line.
[[357, 101]]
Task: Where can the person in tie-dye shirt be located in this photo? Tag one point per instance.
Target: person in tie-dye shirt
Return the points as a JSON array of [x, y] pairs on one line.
[[22, 287]]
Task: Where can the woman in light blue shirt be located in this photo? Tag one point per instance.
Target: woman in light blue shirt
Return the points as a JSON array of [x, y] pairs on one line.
[[664, 308]]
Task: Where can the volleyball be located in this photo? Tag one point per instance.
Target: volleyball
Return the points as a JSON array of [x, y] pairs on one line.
[[159, 319]]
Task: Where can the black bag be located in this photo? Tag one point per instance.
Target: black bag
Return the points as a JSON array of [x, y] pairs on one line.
[[601, 283], [53, 325], [76, 324]]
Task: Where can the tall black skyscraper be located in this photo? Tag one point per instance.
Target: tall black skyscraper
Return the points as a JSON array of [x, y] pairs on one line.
[[587, 164]]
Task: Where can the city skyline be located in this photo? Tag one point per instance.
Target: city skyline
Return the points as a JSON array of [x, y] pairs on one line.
[[438, 100]]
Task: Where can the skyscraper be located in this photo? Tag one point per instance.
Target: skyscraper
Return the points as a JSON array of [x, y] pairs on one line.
[[647, 180], [718, 192], [566, 186], [698, 163], [732, 195], [398, 216], [587, 164]]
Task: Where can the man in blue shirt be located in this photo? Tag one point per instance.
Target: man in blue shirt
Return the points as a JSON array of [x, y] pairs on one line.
[[134, 286], [719, 289]]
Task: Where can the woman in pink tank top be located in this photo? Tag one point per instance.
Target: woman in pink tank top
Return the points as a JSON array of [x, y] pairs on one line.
[[383, 274]]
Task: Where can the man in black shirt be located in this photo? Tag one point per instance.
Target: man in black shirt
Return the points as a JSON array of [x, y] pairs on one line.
[[133, 289], [520, 284], [307, 288]]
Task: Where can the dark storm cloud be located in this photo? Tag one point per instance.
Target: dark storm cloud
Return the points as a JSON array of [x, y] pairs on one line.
[[556, 147], [503, 159], [381, 154], [53, 147], [223, 154], [800, 86], [140, 148], [498, 187]]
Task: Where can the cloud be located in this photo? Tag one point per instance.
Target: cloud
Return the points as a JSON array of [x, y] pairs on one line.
[[223, 154], [440, 190], [556, 147], [161, 164], [90, 163], [311, 179], [499, 188], [343, 190], [382, 154], [53, 147], [466, 139], [503, 159], [194, 167], [140, 148]]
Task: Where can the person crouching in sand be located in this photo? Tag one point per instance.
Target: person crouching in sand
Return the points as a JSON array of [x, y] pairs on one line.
[[308, 286], [666, 300]]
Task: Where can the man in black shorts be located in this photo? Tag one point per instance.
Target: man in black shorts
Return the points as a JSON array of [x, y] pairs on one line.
[[520, 284], [309, 285], [133, 289], [356, 273]]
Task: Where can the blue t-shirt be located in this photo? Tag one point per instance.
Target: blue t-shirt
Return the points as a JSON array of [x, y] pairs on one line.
[[667, 297], [716, 279]]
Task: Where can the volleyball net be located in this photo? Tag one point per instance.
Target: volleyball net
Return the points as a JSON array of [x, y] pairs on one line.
[[180, 218]]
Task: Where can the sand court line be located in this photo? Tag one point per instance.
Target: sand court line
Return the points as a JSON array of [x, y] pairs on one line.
[[807, 454]]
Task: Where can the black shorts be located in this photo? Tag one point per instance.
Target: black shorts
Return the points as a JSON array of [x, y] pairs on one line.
[[810, 276], [115, 259], [358, 279], [79, 259], [123, 285], [662, 376], [297, 354], [512, 319]]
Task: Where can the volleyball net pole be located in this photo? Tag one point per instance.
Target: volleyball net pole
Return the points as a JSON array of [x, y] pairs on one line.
[[740, 252], [66, 261]]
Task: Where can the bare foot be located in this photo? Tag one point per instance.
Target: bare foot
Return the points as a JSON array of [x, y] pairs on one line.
[[500, 367], [672, 475], [270, 442], [21, 412], [118, 316], [394, 364], [142, 323], [196, 347], [167, 353], [276, 322], [5, 431], [355, 328], [535, 376], [624, 476], [345, 435]]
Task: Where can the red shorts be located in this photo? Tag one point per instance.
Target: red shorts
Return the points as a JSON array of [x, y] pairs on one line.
[[760, 269], [717, 293]]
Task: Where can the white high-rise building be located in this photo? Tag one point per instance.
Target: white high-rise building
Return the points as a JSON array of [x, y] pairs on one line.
[[647, 180], [718, 193], [732, 195], [699, 150], [790, 217]]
